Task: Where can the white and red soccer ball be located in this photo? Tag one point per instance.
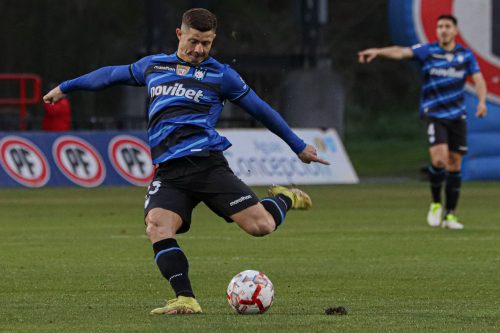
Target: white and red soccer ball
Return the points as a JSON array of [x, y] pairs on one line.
[[250, 292]]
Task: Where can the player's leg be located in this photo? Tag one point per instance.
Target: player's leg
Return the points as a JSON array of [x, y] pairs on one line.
[[458, 147], [168, 212], [256, 220], [266, 216], [229, 197], [438, 151]]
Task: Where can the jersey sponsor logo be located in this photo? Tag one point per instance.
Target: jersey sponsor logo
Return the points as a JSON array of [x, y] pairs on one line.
[[176, 90], [164, 68], [240, 200], [448, 72], [131, 159], [182, 70], [79, 161], [23, 161]]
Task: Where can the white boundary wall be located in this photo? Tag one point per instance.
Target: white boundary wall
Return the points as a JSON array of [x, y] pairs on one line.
[[259, 157]]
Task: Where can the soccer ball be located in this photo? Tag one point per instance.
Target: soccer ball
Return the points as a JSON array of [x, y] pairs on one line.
[[250, 292]]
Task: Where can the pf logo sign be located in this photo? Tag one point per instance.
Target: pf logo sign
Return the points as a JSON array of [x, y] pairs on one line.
[[131, 159], [479, 30], [79, 161], [23, 161]]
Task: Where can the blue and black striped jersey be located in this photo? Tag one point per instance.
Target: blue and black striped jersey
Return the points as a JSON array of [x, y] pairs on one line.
[[444, 75], [185, 102]]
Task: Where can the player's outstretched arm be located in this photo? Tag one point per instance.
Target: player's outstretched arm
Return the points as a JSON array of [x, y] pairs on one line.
[[263, 112], [93, 81], [391, 52], [481, 90]]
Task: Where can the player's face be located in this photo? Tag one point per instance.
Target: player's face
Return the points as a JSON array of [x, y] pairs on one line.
[[194, 45], [446, 31]]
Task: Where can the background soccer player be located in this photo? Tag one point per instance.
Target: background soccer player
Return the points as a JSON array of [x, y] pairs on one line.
[[445, 65], [187, 90]]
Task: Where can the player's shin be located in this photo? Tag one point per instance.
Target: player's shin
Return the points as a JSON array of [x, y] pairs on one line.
[[453, 184], [436, 177], [277, 206], [173, 265]]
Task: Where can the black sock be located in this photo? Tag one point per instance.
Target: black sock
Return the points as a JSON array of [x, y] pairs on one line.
[[453, 183], [436, 177], [277, 206], [173, 265]]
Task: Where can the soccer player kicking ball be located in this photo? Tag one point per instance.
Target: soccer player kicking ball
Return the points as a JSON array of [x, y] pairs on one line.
[[445, 66], [187, 91]]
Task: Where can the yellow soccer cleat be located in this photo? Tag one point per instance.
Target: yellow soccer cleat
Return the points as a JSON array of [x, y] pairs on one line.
[[300, 199], [179, 305]]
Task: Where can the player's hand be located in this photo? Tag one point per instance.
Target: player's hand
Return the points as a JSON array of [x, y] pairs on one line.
[[309, 154], [367, 55], [54, 96], [481, 110]]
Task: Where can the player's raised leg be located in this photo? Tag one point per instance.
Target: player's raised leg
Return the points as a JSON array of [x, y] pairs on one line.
[[266, 216], [162, 226]]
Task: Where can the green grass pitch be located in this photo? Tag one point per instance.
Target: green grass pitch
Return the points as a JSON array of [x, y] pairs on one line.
[[77, 260]]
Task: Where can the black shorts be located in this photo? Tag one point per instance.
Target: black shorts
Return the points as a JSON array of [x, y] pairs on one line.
[[180, 184], [450, 131]]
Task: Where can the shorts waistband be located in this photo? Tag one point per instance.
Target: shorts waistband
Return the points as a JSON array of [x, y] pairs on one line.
[[192, 158]]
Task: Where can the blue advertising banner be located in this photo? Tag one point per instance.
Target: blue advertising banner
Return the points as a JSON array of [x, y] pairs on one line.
[[91, 159], [87, 159], [414, 21]]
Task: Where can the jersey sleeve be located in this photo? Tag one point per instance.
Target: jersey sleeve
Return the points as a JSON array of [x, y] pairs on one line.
[[99, 79], [420, 52], [472, 65], [138, 70], [270, 118], [233, 86]]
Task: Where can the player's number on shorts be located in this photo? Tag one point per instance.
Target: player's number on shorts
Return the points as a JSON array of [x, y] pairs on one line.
[[431, 132], [154, 187]]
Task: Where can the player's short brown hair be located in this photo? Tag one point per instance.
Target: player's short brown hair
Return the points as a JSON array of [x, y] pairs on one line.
[[448, 17], [200, 19]]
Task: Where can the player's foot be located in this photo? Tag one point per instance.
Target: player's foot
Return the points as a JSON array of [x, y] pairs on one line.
[[179, 305], [451, 222], [435, 214], [300, 199]]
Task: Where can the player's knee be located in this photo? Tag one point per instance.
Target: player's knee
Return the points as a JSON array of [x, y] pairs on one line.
[[454, 164], [454, 167], [255, 221], [158, 227], [151, 229], [261, 228], [439, 163]]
